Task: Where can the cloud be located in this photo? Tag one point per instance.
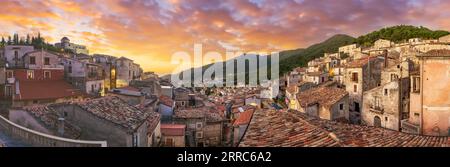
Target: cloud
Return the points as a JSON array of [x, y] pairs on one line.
[[150, 31]]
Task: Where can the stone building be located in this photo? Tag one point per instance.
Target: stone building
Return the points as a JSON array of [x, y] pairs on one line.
[[13, 54], [89, 77], [445, 39], [126, 71], [386, 105], [324, 102], [382, 44], [173, 135], [204, 126], [429, 98], [361, 75], [74, 48], [112, 119]]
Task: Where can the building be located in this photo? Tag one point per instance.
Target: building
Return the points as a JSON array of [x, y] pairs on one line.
[[40, 81], [166, 108], [241, 123], [112, 119], [109, 70], [386, 105], [445, 39], [173, 135], [270, 128], [293, 90], [131, 95], [429, 98], [13, 55], [382, 44], [361, 75], [89, 77], [74, 48], [325, 102], [126, 71], [317, 77], [204, 126], [348, 49]]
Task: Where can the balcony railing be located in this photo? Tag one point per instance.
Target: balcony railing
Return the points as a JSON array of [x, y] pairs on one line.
[[377, 109]]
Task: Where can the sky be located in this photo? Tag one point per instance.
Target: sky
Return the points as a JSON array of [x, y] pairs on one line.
[[151, 31]]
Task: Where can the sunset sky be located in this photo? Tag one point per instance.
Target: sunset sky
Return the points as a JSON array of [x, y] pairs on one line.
[[150, 31]]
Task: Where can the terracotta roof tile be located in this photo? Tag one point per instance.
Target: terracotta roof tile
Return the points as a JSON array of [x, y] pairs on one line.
[[437, 53], [244, 117], [35, 90], [324, 96], [166, 100], [291, 129]]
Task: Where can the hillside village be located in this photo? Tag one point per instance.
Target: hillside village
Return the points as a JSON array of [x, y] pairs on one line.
[[388, 94]]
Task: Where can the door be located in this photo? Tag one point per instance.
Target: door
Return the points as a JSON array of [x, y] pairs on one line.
[[377, 121], [356, 107]]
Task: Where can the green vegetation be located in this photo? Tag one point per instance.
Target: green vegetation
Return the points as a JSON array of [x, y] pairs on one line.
[[301, 59], [400, 33], [38, 42]]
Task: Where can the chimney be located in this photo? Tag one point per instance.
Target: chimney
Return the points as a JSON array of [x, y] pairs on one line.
[[61, 126]]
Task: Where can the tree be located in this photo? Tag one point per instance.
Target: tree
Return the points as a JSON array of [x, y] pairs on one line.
[[3, 41], [16, 39], [28, 39], [9, 40]]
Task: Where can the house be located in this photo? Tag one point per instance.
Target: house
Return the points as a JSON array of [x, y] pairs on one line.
[[325, 102], [13, 54], [166, 107], [361, 75], [173, 135], [386, 105], [293, 90], [2, 77], [270, 128], [74, 48], [241, 123], [429, 97], [204, 126], [348, 49], [382, 44], [147, 86], [316, 77], [445, 39], [126, 71], [109, 70], [40, 81], [253, 100], [89, 77]]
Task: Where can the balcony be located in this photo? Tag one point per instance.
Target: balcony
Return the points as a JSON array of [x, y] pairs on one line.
[[10, 80], [377, 109]]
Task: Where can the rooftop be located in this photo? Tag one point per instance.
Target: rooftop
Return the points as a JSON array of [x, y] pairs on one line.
[[49, 117], [244, 117], [198, 113], [358, 63], [324, 96], [117, 111], [271, 128], [166, 100], [437, 53], [35, 90]]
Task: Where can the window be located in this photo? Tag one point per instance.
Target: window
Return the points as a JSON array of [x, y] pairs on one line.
[[9, 74], [30, 74], [135, 139], [394, 77], [377, 102], [47, 74], [416, 114], [416, 84], [32, 60], [341, 106], [386, 118], [199, 125], [47, 61], [199, 135], [385, 92], [355, 77], [355, 88], [70, 69], [169, 142]]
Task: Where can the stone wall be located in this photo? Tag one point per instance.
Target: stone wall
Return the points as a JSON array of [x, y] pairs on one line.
[[35, 138]]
